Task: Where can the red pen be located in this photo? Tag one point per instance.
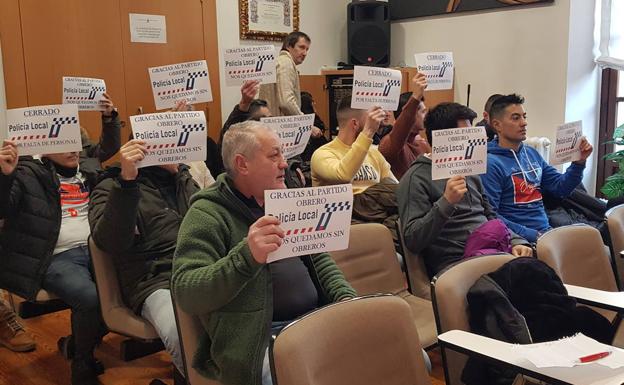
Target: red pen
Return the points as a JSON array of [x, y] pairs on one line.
[[593, 357]]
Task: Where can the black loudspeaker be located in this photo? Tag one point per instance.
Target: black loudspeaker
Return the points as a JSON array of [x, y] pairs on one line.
[[368, 33]]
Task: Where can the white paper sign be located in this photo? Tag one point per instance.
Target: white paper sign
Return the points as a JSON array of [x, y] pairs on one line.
[[373, 86], [438, 67], [171, 137], [86, 93], [45, 129], [148, 28], [458, 151], [568, 143], [175, 82], [294, 132], [249, 63], [314, 219]]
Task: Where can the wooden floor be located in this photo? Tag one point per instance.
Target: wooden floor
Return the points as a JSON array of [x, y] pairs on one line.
[[45, 366]]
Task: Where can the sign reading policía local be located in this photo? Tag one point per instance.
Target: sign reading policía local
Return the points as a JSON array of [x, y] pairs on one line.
[[86, 93], [294, 132], [568, 143], [183, 81], [171, 137], [44, 129], [373, 86], [438, 67], [249, 63], [458, 151], [314, 220]]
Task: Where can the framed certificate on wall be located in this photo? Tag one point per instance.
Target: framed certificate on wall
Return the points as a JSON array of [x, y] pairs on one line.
[[268, 19]]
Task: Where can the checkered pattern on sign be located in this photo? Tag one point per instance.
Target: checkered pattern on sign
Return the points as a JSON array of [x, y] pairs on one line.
[[266, 57], [194, 127], [393, 82], [337, 206], [477, 142], [193, 75]]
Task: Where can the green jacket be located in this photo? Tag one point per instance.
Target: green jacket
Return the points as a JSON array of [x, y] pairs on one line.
[[216, 278]]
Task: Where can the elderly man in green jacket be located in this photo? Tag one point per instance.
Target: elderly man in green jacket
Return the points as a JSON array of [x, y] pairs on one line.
[[220, 270]]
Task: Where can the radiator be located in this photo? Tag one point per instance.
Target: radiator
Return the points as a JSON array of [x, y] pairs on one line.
[[541, 144]]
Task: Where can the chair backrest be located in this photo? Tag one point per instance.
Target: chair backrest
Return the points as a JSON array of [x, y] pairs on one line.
[[450, 306], [615, 223], [578, 256], [117, 316], [370, 263], [417, 277], [190, 331], [364, 341]]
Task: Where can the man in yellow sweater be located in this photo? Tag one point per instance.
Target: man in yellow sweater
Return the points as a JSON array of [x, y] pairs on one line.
[[350, 158]]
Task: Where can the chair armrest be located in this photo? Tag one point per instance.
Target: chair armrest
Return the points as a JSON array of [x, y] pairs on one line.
[[610, 300]]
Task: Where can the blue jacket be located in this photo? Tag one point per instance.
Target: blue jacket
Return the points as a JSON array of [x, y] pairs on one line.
[[514, 182]]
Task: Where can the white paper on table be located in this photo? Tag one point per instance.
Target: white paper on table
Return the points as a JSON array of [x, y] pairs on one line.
[[294, 132], [376, 87], [171, 137], [148, 28], [568, 143], [438, 67], [45, 129], [86, 93], [566, 352], [249, 63], [183, 81], [458, 151], [314, 219]]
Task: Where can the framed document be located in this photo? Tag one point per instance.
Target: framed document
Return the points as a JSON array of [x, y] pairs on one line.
[[268, 19]]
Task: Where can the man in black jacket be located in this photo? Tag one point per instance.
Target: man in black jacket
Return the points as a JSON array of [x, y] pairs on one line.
[[44, 238], [135, 215]]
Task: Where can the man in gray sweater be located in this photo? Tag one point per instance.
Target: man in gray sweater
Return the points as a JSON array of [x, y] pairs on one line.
[[438, 216]]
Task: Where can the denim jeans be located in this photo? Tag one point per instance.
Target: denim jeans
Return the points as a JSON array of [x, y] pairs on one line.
[[276, 327], [69, 277], [158, 310]]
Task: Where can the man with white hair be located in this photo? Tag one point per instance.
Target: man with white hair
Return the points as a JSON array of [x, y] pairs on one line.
[[220, 269]]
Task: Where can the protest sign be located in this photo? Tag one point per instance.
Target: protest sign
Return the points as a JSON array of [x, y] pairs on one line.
[[86, 93], [183, 81], [568, 143], [373, 86], [45, 129], [171, 137], [294, 132], [439, 69], [314, 219], [249, 63], [458, 151]]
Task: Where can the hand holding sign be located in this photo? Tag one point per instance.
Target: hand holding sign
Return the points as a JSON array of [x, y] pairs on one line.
[[131, 153], [249, 89], [586, 149], [419, 83], [455, 189], [264, 237], [373, 119], [107, 104], [8, 157]]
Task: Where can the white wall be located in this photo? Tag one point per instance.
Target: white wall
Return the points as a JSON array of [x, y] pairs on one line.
[[323, 20], [583, 80], [3, 126], [521, 50]]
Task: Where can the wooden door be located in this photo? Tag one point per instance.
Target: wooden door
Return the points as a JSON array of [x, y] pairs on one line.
[[191, 35], [68, 38]]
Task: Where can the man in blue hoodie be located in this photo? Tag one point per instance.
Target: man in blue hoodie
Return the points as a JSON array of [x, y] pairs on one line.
[[517, 174]]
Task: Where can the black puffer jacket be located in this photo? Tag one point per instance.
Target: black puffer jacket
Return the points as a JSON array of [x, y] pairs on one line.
[[30, 204], [522, 302], [138, 225]]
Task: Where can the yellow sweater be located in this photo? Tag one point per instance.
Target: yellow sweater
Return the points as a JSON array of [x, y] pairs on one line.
[[358, 164]]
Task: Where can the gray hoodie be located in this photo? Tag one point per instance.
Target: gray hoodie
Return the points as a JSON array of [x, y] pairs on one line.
[[435, 228]]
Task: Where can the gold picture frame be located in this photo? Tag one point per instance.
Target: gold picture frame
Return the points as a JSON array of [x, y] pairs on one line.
[[265, 13]]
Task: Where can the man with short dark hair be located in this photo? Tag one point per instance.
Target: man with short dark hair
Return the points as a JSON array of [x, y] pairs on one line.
[[517, 174], [439, 215], [220, 269]]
